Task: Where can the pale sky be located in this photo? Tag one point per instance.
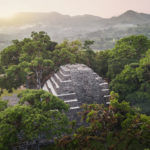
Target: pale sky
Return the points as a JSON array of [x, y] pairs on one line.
[[102, 8]]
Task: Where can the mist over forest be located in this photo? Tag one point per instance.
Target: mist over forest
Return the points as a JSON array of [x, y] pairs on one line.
[[105, 32]]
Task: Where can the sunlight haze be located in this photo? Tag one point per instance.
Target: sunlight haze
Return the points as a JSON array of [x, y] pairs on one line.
[[102, 8]]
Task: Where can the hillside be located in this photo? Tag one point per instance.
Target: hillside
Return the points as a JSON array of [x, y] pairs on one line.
[[103, 31]]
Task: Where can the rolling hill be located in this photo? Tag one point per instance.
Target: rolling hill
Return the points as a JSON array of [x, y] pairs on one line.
[[103, 31]]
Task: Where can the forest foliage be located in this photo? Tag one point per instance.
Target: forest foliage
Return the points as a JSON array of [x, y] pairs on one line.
[[117, 127], [125, 124], [38, 115]]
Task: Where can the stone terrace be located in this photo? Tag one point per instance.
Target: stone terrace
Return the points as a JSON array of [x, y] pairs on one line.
[[77, 84]]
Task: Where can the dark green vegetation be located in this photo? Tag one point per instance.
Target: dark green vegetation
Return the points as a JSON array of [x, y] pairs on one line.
[[104, 31], [27, 59], [41, 116], [118, 127], [31, 61], [127, 67]]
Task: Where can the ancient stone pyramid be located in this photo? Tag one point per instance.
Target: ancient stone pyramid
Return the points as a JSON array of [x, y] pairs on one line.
[[77, 84]]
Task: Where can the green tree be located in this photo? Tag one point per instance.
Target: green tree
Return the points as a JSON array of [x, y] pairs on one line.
[[117, 127], [87, 44], [133, 84], [126, 82], [27, 61], [86, 55], [66, 53], [62, 57], [3, 105], [143, 72], [37, 69], [140, 42], [42, 100], [14, 77], [40, 116], [120, 56], [10, 55], [127, 50], [101, 65]]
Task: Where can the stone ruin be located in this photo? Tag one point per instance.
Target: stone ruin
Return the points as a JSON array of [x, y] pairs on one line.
[[78, 84], [75, 85]]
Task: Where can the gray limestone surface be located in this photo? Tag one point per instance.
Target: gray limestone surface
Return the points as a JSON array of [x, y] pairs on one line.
[[77, 84]]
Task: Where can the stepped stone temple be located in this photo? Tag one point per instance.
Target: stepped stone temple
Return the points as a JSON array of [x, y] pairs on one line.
[[77, 84], [74, 84]]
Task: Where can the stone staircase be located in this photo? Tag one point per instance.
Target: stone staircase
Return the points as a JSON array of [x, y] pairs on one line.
[[105, 91], [60, 85], [67, 85]]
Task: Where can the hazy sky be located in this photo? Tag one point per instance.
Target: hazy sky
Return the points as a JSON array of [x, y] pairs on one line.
[[103, 8]]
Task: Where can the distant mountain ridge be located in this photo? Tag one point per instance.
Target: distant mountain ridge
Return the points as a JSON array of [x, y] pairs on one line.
[[55, 18], [51, 18], [132, 17], [61, 27]]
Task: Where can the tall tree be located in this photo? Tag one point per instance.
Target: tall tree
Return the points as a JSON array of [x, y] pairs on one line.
[[39, 116], [117, 127], [133, 84], [27, 61]]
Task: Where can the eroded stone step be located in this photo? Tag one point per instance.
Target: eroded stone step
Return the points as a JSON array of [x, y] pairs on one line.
[[72, 100], [67, 96], [72, 108], [55, 82], [107, 103], [55, 85], [104, 85], [105, 91], [63, 76], [45, 88], [64, 96], [64, 70], [106, 96], [48, 88], [49, 84], [64, 86], [59, 80], [72, 103]]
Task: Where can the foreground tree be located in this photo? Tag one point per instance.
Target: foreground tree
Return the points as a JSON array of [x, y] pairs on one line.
[[66, 53], [37, 70], [3, 105], [39, 116], [127, 50], [27, 61], [133, 84], [118, 127], [101, 62]]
